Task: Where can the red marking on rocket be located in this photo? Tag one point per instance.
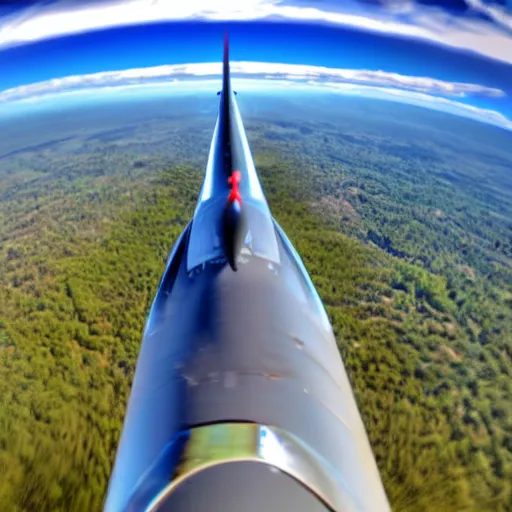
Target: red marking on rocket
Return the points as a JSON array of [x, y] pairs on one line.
[[234, 194]]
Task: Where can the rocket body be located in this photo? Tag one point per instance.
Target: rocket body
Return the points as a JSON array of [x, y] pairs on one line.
[[240, 399]]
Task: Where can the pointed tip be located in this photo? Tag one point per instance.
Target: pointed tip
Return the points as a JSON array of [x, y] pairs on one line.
[[226, 60], [226, 46]]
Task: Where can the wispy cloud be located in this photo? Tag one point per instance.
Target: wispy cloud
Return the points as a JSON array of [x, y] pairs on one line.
[[422, 91], [405, 18], [275, 71], [423, 100], [498, 13]]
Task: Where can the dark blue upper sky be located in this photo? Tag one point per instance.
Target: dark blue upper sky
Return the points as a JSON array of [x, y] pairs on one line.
[[423, 47], [187, 42]]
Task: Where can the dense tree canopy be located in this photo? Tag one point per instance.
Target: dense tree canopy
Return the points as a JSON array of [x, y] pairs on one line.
[[415, 273]]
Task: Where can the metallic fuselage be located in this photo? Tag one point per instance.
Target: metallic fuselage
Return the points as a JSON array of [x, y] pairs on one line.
[[245, 355]]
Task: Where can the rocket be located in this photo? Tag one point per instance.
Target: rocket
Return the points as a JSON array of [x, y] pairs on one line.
[[240, 401]]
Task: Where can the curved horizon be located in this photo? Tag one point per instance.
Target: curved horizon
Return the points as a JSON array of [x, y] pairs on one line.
[[457, 98]]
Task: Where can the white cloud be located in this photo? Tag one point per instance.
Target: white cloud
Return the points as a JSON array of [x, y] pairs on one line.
[[423, 100], [276, 71], [260, 76], [128, 92], [498, 13], [405, 18]]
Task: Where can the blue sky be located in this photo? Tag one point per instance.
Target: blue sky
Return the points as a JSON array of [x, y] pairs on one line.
[[296, 43], [468, 42]]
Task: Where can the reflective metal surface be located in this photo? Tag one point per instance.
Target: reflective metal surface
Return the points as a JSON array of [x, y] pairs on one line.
[[238, 351], [230, 151], [225, 443]]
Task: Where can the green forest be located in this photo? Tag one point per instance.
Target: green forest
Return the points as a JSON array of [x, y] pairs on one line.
[[409, 249]]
